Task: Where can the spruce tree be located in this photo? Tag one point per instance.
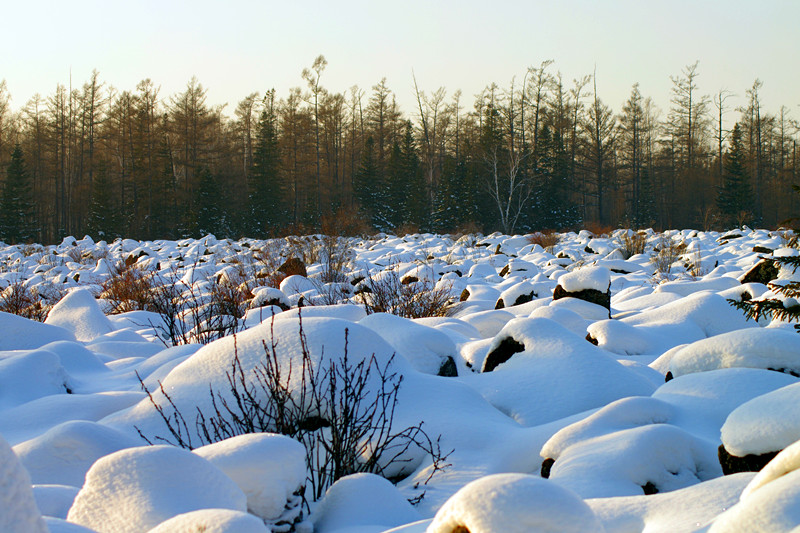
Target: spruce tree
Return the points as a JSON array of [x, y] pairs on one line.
[[267, 199], [735, 196], [16, 203], [368, 186], [103, 220]]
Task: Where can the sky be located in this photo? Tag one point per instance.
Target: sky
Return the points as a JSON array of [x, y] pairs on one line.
[[237, 47]]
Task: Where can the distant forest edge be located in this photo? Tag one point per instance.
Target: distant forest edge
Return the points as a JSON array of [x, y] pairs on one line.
[[538, 153]]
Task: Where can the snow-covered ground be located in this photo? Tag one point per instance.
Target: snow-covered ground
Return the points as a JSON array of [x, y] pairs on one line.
[[556, 408]]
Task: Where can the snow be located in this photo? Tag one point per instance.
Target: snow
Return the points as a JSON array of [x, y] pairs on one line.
[[138, 488], [71, 400], [362, 501], [515, 503], [269, 469], [594, 278], [19, 511], [764, 424]]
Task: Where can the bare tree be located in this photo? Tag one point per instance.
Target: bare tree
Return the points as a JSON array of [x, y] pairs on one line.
[[509, 190]]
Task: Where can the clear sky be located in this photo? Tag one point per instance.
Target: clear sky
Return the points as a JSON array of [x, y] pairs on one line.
[[236, 47]]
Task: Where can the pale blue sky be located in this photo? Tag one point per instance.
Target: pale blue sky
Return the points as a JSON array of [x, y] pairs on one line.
[[236, 47]]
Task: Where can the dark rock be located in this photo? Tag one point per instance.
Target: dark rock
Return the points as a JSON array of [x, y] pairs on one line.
[[409, 279], [649, 488], [293, 267], [501, 354], [497, 250], [763, 272], [669, 376], [547, 465], [505, 270], [500, 304], [592, 339], [762, 250], [730, 236], [785, 371], [732, 464], [356, 280], [448, 368], [464, 296], [588, 295], [588, 250]]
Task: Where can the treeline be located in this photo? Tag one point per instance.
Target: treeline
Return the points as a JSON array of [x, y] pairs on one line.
[[540, 153]]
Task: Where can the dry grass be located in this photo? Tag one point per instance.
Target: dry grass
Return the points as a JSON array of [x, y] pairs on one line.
[[598, 230], [665, 253], [546, 239], [632, 243]]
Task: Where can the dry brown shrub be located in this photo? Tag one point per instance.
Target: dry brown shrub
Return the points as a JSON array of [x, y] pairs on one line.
[[20, 300], [345, 223], [546, 239], [597, 229], [632, 243], [418, 299], [128, 289]]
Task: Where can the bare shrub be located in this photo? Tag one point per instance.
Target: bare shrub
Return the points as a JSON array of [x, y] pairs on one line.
[[387, 293], [20, 300], [632, 243], [342, 412], [546, 239], [665, 253], [129, 288]]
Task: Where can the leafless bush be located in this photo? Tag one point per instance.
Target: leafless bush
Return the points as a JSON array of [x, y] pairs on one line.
[[546, 239], [342, 412], [129, 288], [387, 293], [665, 253], [632, 243], [20, 300]]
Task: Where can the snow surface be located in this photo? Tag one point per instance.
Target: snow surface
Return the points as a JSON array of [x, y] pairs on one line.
[[71, 400]]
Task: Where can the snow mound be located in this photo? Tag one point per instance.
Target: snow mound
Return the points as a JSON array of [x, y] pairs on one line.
[[514, 503], [361, 500], [18, 510], [771, 501], [642, 460], [54, 500], [541, 372], [595, 278], [188, 383], [65, 453], [26, 376], [22, 334], [621, 338], [766, 423], [136, 489], [773, 349], [427, 349], [79, 313], [270, 469], [212, 521]]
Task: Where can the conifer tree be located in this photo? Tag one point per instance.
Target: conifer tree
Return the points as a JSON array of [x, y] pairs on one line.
[[734, 197], [266, 197], [368, 185], [16, 202], [103, 220]]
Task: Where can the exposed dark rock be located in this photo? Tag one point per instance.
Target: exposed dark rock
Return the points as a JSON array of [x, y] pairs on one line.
[[293, 267], [500, 304], [732, 464], [588, 250], [762, 250], [501, 354], [730, 236], [592, 339], [464, 296], [763, 272], [505, 270], [649, 488], [356, 280], [669, 376], [497, 250], [547, 465], [785, 371], [448, 368], [406, 280], [588, 295]]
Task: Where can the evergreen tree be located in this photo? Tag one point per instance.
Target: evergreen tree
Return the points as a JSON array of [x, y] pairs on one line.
[[267, 202], [104, 218], [208, 216], [16, 203], [734, 197], [368, 185]]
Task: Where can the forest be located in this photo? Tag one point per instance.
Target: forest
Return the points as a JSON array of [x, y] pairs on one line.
[[537, 153]]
